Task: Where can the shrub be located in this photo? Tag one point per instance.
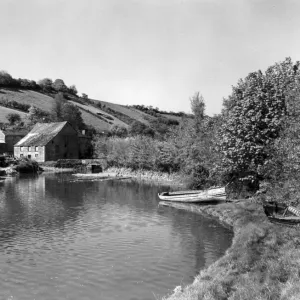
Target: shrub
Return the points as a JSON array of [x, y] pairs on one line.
[[118, 131], [27, 166], [13, 118], [68, 163]]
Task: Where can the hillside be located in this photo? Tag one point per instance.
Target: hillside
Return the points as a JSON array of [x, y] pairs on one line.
[[101, 115], [4, 111]]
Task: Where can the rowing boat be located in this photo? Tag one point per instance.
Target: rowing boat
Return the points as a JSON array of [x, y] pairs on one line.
[[281, 213], [214, 194]]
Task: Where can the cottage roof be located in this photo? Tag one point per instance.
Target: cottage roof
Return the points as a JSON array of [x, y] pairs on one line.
[[41, 134]]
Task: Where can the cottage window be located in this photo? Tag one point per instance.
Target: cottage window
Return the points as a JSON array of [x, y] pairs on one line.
[[36, 148], [22, 149], [29, 156], [36, 155], [29, 148]]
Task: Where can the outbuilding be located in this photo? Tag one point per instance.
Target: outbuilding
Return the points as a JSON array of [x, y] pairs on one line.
[[8, 138]]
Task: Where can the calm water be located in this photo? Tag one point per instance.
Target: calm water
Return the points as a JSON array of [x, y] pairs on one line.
[[64, 239]]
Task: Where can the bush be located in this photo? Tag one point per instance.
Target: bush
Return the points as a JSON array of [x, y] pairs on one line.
[[14, 104], [27, 166], [68, 163], [13, 118]]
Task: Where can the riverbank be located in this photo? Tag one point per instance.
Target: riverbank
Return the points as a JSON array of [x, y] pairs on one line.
[[175, 179], [262, 263]]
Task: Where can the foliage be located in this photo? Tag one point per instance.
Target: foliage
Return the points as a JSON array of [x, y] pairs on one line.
[[58, 106], [181, 148], [59, 85], [72, 114], [73, 90], [37, 115], [159, 127], [46, 84], [13, 118], [14, 104], [65, 111], [27, 84], [283, 171], [139, 128], [198, 109], [27, 166], [253, 115], [139, 152], [155, 111], [5, 79], [118, 131], [68, 163]]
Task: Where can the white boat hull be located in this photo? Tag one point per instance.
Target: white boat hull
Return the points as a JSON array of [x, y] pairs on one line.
[[217, 194]]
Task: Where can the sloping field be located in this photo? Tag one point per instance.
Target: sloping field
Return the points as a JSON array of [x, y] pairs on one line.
[[101, 118], [132, 113], [100, 113], [147, 117], [4, 111], [91, 120], [39, 100]]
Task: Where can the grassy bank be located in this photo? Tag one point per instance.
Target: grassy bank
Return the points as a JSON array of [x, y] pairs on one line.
[[262, 263]]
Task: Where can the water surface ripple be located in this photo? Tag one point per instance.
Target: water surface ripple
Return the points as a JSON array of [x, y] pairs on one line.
[[63, 239]]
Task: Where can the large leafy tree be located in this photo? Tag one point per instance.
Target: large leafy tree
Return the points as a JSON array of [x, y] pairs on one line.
[[72, 114], [46, 84], [254, 115], [59, 85], [5, 79]]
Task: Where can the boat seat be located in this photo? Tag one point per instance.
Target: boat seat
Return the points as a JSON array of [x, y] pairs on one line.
[[294, 210]]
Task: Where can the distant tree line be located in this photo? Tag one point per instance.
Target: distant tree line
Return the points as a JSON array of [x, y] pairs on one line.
[[45, 85], [154, 111]]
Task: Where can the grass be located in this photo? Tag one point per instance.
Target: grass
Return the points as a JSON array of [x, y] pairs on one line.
[[37, 99], [132, 113], [91, 120], [4, 111], [95, 110], [262, 263]]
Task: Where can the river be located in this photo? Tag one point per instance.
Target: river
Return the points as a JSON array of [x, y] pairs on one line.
[[61, 238]]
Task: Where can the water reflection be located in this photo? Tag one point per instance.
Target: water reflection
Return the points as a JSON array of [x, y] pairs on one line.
[[67, 239]]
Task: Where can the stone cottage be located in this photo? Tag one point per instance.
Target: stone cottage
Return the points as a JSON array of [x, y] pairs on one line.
[[8, 138], [49, 142]]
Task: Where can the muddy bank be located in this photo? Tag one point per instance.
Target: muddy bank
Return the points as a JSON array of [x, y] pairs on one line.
[[262, 263]]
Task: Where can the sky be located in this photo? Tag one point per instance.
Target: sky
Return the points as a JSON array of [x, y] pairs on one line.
[[150, 52]]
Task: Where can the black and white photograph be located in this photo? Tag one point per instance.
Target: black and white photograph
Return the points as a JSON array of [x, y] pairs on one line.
[[149, 150]]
